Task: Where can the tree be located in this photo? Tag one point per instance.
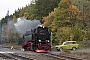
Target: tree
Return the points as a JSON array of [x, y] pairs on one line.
[[14, 18], [26, 14], [9, 33], [44, 7], [48, 19], [84, 8], [65, 15]]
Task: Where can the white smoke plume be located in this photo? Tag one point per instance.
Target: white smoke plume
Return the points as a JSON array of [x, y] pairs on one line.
[[23, 25]]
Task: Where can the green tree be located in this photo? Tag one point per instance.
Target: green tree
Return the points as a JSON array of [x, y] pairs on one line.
[[84, 7], [44, 7], [14, 18], [48, 19], [65, 15]]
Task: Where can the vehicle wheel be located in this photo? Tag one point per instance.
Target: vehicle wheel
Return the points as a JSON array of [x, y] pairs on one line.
[[61, 49], [74, 48], [58, 49]]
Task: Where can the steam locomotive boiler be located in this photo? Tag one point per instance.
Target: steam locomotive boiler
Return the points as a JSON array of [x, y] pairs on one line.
[[37, 39]]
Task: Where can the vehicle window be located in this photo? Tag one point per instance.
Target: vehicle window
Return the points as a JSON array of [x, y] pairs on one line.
[[68, 43], [73, 42]]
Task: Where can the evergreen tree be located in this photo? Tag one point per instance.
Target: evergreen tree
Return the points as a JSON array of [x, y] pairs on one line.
[[44, 7]]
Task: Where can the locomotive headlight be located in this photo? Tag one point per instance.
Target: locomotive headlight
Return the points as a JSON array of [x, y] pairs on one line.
[[47, 41], [39, 40]]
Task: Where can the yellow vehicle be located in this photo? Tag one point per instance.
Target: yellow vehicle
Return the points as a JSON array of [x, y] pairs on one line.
[[67, 45]]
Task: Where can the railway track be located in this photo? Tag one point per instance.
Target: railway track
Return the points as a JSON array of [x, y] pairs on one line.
[[14, 56], [63, 57]]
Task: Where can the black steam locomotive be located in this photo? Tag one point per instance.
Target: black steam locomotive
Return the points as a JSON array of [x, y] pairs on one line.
[[37, 39]]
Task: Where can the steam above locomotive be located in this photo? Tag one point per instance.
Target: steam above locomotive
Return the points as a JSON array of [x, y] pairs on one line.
[[38, 39]]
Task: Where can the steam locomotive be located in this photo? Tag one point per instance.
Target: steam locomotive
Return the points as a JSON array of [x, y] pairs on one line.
[[38, 40]]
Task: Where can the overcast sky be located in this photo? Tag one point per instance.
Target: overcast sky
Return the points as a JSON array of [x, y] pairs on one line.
[[11, 5]]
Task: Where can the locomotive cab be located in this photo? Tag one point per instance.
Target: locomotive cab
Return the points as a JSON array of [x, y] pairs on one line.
[[27, 41]]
